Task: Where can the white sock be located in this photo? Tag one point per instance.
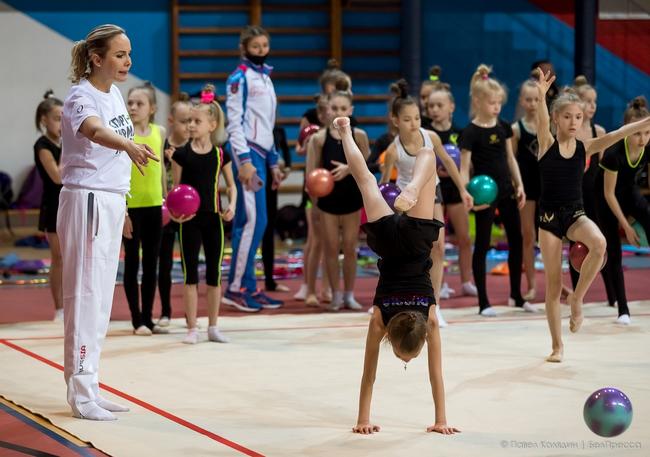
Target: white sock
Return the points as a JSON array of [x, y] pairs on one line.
[[348, 295], [92, 411], [215, 335], [110, 406]]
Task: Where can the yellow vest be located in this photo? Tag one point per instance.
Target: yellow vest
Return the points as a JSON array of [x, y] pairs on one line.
[[147, 190]]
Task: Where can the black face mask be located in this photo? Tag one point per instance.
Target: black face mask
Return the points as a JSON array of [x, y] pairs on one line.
[[257, 60]]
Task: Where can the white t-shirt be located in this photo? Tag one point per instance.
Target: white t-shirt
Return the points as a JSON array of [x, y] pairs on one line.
[[85, 164]]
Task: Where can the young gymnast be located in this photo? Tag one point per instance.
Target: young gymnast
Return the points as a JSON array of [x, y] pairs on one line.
[[524, 145], [619, 197], [561, 162], [47, 155], [404, 304], [440, 109], [402, 153]]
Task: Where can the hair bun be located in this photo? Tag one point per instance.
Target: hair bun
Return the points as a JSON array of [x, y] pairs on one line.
[[333, 64], [183, 97], [400, 88], [580, 80], [49, 93], [435, 71], [639, 102], [209, 88]]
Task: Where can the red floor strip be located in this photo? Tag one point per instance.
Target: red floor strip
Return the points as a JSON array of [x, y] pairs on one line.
[[160, 412]]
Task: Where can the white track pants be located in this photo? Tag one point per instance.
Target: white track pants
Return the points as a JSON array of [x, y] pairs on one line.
[[89, 226]]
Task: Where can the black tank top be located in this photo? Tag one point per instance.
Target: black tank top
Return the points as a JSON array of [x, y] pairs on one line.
[[592, 167], [346, 197], [527, 146], [561, 177]]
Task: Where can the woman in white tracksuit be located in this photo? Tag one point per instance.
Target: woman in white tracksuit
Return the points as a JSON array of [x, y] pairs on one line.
[[96, 160]]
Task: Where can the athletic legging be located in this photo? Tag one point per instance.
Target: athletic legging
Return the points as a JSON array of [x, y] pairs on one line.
[[509, 215], [637, 207], [268, 240], [165, 264], [147, 232], [207, 229]]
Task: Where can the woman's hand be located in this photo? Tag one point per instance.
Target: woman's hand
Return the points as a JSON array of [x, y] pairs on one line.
[[246, 173], [340, 171], [631, 235], [140, 155], [127, 228]]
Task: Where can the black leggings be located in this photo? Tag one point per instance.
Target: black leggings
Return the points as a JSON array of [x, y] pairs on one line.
[[207, 229], [268, 241], [165, 263], [637, 207], [589, 193], [147, 232], [509, 215]]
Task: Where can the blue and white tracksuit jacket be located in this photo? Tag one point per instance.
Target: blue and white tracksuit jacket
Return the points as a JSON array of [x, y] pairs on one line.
[[250, 106]]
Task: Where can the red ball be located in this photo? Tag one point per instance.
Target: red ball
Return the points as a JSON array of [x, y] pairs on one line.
[[319, 182], [306, 132], [183, 201], [577, 255]]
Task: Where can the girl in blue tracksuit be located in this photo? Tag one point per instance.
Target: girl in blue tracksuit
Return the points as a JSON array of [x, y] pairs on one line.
[[251, 106]]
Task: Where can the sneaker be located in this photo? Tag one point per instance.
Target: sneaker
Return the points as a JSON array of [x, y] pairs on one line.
[[446, 291], [58, 315], [441, 320], [279, 288], [488, 312], [525, 305], [301, 295], [192, 336], [624, 319], [351, 303], [243, 301], [266, 301], [143, 330], [215, 335], [469, 290], [163, 322], [158, 330]]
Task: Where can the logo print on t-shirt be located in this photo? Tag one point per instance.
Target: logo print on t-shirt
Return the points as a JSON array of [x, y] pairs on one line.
[[494, 139], [80, 108]]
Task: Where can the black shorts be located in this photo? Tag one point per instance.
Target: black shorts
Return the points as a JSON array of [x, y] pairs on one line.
[[47, 218], [438, 194], [450, 193], [558, 219]]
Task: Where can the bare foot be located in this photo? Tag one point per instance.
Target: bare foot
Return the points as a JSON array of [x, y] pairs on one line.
[[575, 321], [341, 122], [556, 356], [406, 199]]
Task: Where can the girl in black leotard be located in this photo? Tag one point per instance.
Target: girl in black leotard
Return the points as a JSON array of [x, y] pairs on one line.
[[618, 197], [561, 163], [404, 305], [524, 145], [339, 211]]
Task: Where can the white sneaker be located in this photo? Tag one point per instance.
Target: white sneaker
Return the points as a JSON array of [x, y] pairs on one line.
[[488, 312], [192, 336], [143, 330], [624, 319], [215, 335], [163, 321], [301, 294], [158, 330], [58, 315], [469, 290], [351, 303], [526, 306], [441, 320], [446, 291]]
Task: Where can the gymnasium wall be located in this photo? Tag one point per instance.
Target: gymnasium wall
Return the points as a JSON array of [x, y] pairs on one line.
[[508, 34]]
